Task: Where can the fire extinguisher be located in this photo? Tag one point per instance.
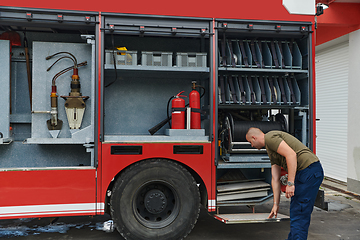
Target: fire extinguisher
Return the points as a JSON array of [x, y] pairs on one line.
[[194, 103], [283, 179], [178, 112]]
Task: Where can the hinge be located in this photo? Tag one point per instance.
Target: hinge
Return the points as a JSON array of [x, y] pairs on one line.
[[278, 28], [87, 19], [29, 16], [60, 18]]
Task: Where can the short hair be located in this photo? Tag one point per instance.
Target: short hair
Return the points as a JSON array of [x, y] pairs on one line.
[[254, 132]]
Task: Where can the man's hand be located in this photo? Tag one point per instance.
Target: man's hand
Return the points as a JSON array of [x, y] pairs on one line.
[[290, 190], [274, 211]]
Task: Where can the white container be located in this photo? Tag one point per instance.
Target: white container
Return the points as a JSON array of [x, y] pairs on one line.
[[163, 59], [121, 57], [191, 59]]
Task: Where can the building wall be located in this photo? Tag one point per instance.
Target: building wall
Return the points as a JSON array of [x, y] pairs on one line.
[[353, 150], [340, 22], [332, 67]]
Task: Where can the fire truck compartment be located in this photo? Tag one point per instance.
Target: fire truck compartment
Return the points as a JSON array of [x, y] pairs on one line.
[[26, 141], [136, 95], [264, 79], [39, 130]]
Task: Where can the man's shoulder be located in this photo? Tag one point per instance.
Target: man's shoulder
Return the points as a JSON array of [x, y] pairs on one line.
[[274, 133], [273, 139]]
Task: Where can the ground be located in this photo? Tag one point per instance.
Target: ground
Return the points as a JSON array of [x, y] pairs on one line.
[[340, 222]]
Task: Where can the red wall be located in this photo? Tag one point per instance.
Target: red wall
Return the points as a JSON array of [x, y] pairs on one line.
[[238, 9], [339, 19]]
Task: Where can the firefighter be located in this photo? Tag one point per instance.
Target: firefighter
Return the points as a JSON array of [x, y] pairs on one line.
[[305, 175]]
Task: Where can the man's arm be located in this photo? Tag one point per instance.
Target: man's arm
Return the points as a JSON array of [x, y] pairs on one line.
[[291, 162], [276, 187]]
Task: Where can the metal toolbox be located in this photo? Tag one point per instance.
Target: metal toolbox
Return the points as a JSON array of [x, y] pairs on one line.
[[190, 59], [121, 57], [163, 59]]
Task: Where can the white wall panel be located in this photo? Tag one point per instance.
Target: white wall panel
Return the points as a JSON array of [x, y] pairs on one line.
[[332, 71], [306, 7]]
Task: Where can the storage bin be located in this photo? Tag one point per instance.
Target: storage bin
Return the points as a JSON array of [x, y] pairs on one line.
[[121, 57], [163, 59], [190, 59]]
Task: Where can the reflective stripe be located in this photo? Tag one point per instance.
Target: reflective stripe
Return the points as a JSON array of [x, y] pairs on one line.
[[211, 204], [51, 209]]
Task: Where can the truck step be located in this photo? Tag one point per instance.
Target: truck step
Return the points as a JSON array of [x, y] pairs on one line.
[[249, 218]]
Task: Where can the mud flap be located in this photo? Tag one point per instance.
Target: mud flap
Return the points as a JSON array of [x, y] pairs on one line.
[[320, 201]]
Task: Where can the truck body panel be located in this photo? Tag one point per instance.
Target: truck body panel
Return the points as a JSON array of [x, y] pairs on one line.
[[48, 192], [116, 68]]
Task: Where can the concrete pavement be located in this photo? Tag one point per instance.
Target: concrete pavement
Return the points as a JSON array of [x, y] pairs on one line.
[[341, 222]]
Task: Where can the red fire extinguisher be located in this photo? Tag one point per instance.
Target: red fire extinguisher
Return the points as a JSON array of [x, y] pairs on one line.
[[283, 179], [194, 103], [178, 112]]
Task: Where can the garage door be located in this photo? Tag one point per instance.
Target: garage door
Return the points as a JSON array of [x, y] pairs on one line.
[[332, 67]]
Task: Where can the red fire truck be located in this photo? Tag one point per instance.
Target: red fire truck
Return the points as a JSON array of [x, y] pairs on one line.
[[141, 110]]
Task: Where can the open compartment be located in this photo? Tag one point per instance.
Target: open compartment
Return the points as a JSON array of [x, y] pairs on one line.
[[172, 57], [74, 109], [28, 88], [271, 93], [247, 186]]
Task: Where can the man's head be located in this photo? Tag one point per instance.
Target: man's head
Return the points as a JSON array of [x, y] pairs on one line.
[[256, 137]]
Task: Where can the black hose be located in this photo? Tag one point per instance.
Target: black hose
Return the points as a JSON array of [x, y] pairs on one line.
[[66, 70], [167, 109], [202, 89], [113, 54], [59, 60], [51, 56]]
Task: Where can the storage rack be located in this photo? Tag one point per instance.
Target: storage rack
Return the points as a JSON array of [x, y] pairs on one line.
[[262, 67]]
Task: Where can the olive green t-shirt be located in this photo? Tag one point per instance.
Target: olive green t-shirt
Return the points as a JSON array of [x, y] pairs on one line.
[[304, 155]]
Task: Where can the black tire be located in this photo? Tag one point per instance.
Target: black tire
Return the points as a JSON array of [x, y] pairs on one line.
[[155, 199]]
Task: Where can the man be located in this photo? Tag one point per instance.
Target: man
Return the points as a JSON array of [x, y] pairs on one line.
[[305, 175]]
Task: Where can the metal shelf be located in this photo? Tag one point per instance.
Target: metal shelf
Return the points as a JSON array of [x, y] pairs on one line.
[[245, 202], [260, 70], [154, 139], [227, 165], [158, 72], [261, 106], [157, 68]]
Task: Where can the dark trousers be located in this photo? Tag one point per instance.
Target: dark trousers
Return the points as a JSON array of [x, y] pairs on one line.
[[307, 183]]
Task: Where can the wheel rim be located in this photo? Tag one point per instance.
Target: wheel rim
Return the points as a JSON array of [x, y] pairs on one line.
[[156, 204]]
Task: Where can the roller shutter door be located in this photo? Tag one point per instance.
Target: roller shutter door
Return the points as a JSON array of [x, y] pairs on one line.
[[332, 67]]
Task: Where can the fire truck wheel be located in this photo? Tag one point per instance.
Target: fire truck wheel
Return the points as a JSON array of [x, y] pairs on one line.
[[155, 199]]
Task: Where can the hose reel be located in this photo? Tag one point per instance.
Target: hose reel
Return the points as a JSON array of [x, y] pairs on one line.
[[234, 132]]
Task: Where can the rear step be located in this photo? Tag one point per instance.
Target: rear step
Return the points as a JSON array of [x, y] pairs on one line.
[[249, 218]]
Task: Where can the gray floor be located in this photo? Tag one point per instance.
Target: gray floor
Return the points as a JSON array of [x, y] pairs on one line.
[[341, 222]]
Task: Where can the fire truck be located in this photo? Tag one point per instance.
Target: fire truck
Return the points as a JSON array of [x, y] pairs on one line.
[[141, 110]]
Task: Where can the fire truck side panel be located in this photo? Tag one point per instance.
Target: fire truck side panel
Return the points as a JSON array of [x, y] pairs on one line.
[[109, 146], [48, 192], [261, 9], [118, 156]]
